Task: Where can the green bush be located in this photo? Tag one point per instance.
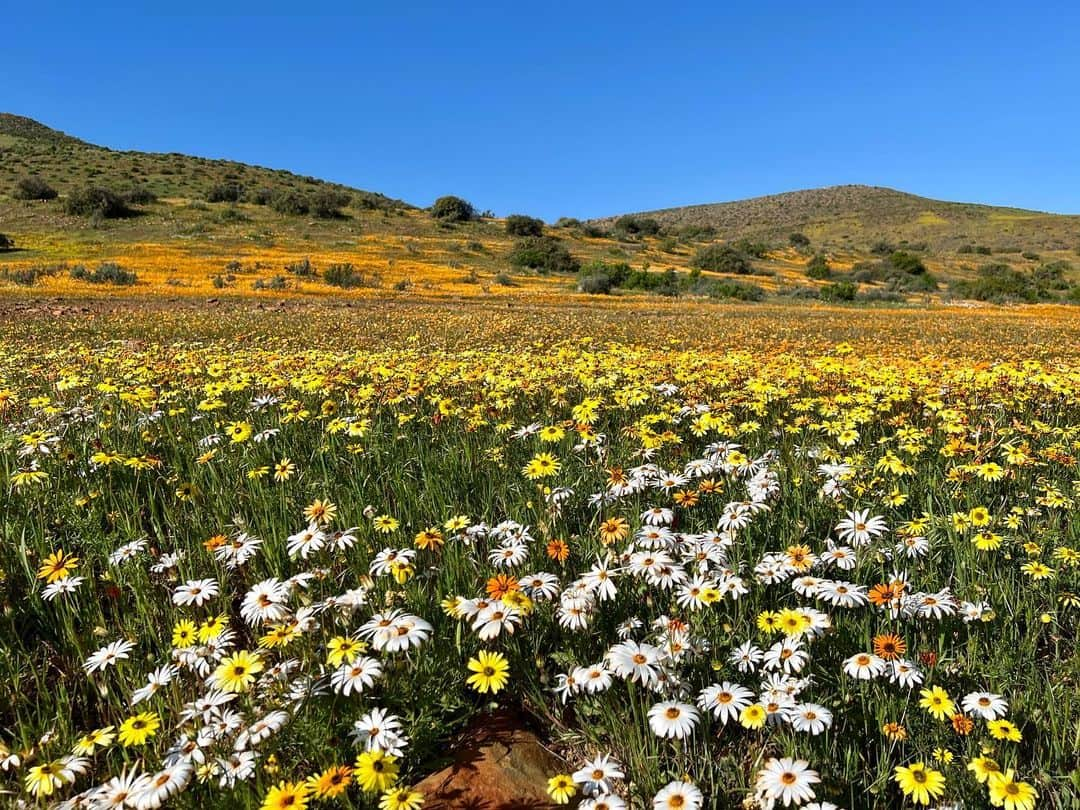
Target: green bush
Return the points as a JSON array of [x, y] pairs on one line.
[[692, 233], [347, 276], [273, 283], [105, 273], [260, 196], [225, 192], [33, 188], [597, 283], [6, 242], [748, 247], [327, 203], [637, 226], [739, 290], [999, 282], [97, 202], [290, 202], [303, 268], [139, 196], [722, 259], [567, 222], [818, 268], [544, 254], [906, 262], [521, 225], [839, 291], [799, 241], [453, 209]]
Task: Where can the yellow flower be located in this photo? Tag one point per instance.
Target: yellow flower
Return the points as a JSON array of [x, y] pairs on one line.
[[561, 788], [332, 782], [287, 796], [937, 701], [401, 799], [490, 670], [753, 716], [541, 465], [375, 771], [284, 469], [1004, 730], [1006, 792], [138, 729], [983, 768], [238, 431], [385, 524], [320, 511], [57, 566], [236, 673], [919, 783]]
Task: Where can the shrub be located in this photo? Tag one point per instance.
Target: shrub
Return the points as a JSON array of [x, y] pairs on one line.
[[637, 226], [273, 283], [839, 291], [1031, 255], [543, 253], [998, 282], [882, 248], [453, 209], [99, 202], [346, 276], [327, 203], [260, 196], [139, 196], [33, 188], [6, 242], [818, 268], [290, 202], [741, 291], [907, 262], [597, 283], [303, 268], [721, 259], [799, 241], [691, 233], [983, 250], [966, 249], [504, 279], [521, 225], [567, 222], [1051, 276], [105, 273], [748, 247], [225, 192]]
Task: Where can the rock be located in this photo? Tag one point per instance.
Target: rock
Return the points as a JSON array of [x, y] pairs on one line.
[[498, 765]]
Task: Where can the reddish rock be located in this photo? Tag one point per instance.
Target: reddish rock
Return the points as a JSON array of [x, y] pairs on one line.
[[498, 765]]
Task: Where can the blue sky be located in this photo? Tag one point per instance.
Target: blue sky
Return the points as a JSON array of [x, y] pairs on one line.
[[579, 109]]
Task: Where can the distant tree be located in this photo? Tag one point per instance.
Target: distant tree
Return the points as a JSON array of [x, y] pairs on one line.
[[33, 188], [521, 225], [139, 196], [907, 262], [721, 259], [818, 267], [799, 240], [543, 253], [260, 196], [453, 209], [567, 222], [637, 226], [290, 202], [97, 202], [6, 242], [225, 192], [327, 203]]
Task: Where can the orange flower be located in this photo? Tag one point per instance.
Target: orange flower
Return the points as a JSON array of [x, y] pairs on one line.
[[217, 541], [558, 550], [889, 646], [613, 529], [962, 724], [883, 594], [708, 486], [498, 587], [686, 498]]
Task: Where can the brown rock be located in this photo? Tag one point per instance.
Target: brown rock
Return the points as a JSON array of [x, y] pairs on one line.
[[498, 765]]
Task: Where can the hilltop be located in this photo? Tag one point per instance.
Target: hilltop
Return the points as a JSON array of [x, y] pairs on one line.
[[28, 147], [858, 216], [184, 225]]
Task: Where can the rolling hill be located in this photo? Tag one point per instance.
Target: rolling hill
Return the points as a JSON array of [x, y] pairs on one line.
[[29, 148], [180, 236], [858, 216]]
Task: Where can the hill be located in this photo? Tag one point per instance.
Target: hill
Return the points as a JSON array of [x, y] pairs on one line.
[[30, 148], [858, 216], [191, 226]]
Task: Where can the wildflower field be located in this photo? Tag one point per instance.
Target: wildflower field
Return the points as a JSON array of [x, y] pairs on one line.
[[725, 557]]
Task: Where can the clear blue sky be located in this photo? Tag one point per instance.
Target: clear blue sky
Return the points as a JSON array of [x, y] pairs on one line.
[[581, 109]]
